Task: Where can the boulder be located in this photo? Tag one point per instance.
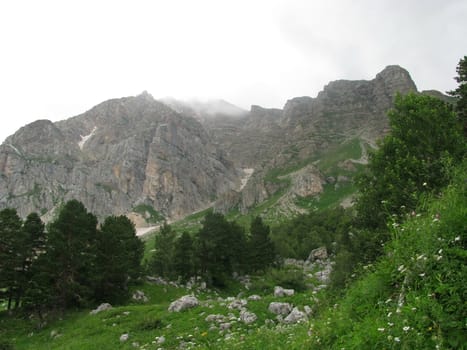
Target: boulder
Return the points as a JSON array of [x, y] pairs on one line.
[[247, 317], [281, 292], [280, 308], [296, 316], [101, 307], [140, 296], [254, 297], [185, 302]]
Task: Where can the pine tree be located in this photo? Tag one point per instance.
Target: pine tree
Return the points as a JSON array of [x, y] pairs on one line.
[[261, 248], [183, 262], [10, 254], [220, 247], [71, 251], [162, 261], [32, 244], [119, 254]]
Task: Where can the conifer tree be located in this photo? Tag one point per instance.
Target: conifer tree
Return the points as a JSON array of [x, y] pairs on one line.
[[119, 254], [261, 248], [71, 255], [183, 261], [10, 254], [162, 261]]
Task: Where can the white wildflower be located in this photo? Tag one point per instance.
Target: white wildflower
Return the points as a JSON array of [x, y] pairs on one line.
[[397, 339], [406, 328], [457, 239], [381, 329]]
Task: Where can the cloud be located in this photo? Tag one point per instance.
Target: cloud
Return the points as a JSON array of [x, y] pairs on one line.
[[61, 58]]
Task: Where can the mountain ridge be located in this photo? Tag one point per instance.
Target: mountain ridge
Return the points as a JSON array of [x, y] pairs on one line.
[[177, 158]]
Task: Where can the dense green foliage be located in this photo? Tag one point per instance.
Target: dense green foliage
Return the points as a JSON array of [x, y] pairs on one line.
[[329, 228], [413, 160], [20, 244], [414, 297], [71, 264]]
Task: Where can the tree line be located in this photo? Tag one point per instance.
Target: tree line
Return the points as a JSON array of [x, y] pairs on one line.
[[219, 249], [71, 262]]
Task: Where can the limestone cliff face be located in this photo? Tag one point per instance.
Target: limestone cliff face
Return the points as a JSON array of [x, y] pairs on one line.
[[121, 153], [180, 157], [272, 138]]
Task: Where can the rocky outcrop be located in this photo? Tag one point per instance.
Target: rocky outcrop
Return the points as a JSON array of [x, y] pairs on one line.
[[120, 154]]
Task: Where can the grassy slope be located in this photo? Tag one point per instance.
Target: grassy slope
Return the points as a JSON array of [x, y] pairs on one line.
[[145, 322], [415, 296]]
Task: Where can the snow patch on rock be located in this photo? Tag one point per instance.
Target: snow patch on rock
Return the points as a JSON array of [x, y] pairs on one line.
[[85, 138], [247, 174]]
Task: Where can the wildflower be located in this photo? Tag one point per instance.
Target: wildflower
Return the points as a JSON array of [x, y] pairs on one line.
[[389, 314], [397, 339], [422, 274], [420, 257], [390, 324], [400, 268], [406, 328], [381, 329], [457, 239], [424, 184], [204, 334]]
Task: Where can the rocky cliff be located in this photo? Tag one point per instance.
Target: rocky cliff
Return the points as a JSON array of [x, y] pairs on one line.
[[180, 157], [268, 139], [120, 154]]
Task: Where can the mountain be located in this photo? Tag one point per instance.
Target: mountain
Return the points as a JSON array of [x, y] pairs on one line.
[[270, 139], [171, 158], [121, 154]]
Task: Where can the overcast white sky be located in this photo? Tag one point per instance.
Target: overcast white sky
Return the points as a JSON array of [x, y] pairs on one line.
[[60, 58]]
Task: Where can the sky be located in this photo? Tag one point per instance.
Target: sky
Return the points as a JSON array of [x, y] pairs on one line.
[[60, 58]]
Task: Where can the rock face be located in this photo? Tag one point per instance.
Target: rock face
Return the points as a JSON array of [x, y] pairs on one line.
[[268, 139], [177, 158], [120, 154]]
